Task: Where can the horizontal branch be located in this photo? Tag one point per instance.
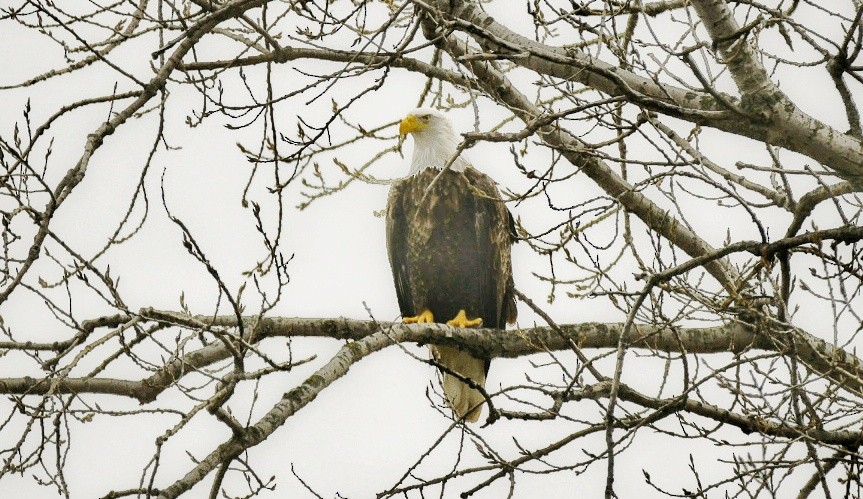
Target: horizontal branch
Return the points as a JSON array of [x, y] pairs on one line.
[[831, 362], [372, 336], [367, 337], [834, 363]]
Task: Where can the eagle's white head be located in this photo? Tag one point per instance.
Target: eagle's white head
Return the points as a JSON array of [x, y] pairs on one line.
[[435, 141]]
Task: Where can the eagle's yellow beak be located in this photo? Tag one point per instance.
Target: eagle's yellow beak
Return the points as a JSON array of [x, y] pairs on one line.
[[411, 124]]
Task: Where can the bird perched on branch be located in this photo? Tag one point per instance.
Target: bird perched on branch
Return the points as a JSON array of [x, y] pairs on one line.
[[448, 237]]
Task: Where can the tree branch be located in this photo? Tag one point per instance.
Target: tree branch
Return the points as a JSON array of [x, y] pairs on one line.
[[785, 125], [836, 364], [288, 54], [577, 153]]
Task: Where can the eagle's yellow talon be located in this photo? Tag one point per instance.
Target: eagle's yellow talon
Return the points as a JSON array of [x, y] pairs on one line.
[[461, 320], [425, 317]]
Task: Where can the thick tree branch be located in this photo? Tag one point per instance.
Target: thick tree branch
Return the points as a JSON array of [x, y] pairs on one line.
[[732, 44], [830, 361], [494, 343], [781, 123], [788, 126]]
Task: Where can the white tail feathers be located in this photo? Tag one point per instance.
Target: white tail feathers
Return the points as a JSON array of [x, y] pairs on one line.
[[464, 400]]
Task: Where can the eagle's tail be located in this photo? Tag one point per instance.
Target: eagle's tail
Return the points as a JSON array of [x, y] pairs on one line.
[[465, 401]]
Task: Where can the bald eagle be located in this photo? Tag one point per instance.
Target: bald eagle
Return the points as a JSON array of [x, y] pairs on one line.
[[448, 238]]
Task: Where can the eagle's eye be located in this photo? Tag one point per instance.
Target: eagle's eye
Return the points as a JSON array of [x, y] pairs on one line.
[[425, 117]]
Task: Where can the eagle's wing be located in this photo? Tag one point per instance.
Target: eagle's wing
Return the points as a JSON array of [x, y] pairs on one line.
[[494, 232], [397, 234]]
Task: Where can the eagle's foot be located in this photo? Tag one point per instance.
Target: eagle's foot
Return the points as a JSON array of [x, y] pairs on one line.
[[425, 317], [461, 320]]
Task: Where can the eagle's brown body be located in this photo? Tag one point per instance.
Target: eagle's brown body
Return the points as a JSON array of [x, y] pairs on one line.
[[449, 238]]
